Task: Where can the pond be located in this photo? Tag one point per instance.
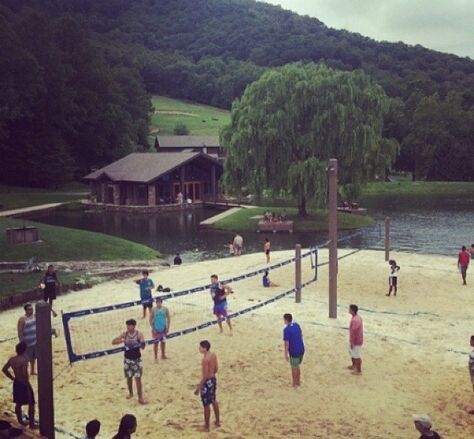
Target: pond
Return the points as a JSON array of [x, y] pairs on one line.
[[423, 224]]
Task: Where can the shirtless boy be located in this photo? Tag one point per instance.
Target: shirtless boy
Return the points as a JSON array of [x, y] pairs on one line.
[[208, 384], [22, 390]]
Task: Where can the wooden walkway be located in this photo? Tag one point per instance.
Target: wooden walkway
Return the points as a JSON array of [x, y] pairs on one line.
[[208, 222], [26, 210]]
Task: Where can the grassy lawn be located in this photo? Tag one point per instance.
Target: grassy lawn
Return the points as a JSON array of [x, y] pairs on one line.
[[407, 187], [201, 120], [318, 220], [13, 197], [65, 244]]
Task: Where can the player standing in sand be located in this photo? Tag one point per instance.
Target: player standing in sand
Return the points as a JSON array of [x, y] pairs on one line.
[[356, 339], [463, 263], [293, 347], [133, 340], [49, 285], [393, 277], [219, 293], [146, 287], [22, 390], [160, 325], [471, 367], [208, 385]]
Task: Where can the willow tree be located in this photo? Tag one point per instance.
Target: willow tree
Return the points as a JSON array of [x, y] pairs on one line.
[[293, 119]]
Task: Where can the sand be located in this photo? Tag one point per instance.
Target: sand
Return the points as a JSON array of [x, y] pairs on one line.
[[414, 357]]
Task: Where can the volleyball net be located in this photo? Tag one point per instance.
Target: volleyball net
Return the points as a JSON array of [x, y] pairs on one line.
[[89, 332]]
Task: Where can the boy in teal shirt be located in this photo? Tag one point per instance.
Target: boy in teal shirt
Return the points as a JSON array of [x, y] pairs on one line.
[[146, 287], [160, 326]]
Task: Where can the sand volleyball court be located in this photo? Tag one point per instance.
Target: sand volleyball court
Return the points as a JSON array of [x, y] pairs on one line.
[[414, 357]]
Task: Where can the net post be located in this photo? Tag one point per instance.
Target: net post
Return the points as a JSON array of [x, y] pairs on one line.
[[332, 171], [316, 252], [298, 273], [387, 239], [45, 369]]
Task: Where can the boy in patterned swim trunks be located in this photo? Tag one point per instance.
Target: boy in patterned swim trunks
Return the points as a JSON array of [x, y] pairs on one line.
[[132, 363], [208, 384], [22, 390]]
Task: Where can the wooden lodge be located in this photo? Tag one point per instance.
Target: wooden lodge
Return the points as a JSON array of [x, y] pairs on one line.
[[156, 179]]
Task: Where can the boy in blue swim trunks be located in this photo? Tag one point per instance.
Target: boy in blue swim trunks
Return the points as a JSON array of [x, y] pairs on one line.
[[208, 384], [219, 293], [146, 287]]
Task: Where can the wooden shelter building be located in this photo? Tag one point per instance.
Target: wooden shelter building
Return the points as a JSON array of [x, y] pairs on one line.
[[154, 179]]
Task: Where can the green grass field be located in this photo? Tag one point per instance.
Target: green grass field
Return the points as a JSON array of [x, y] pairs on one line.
[[407, 187], [15, 197], [201, 120], [243, 220], [65, 244]]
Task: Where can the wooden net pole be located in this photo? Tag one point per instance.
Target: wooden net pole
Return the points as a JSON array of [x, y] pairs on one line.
[[332, 171], [298, 273], [45, 369]]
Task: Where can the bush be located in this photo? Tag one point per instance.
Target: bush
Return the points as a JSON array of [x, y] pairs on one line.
[[180, 129]]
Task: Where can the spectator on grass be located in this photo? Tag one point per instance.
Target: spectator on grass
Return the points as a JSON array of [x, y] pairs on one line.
[[423, 424], [92, 429], [128, 426]]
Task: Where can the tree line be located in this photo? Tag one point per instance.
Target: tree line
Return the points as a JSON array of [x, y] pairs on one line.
[[209, 51]]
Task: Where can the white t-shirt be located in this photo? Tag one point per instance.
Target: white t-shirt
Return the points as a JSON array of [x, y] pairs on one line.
[[393, 273], [238, 240]]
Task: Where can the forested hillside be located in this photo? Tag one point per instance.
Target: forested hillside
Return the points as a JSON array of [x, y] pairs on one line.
[[209, 50]]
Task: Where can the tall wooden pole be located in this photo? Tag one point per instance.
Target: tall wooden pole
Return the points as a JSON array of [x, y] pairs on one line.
[[332, 171], [387, 239], [45, 369], [298, 273]]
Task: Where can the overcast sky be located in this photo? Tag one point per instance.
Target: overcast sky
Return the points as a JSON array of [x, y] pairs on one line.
[[443, 25]]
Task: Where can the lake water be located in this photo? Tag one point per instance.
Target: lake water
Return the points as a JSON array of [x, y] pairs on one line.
[[422, 224]]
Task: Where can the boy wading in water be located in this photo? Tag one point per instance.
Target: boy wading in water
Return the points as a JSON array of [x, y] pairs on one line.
[[393, 277], [208, 385], [160, 326], [132, 363], [22, 390], [267, 246], [293, 347]]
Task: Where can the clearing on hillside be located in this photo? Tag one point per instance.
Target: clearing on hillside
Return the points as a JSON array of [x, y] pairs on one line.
[[201, 120]]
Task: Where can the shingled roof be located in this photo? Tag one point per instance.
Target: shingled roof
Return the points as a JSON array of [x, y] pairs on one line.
[[187, 141], [144, 167]]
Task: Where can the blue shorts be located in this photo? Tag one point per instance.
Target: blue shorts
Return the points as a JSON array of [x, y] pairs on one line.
[[220, 311], [208, 392]]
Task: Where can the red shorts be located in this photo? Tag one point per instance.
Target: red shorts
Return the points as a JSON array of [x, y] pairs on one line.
[[157, 335]]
